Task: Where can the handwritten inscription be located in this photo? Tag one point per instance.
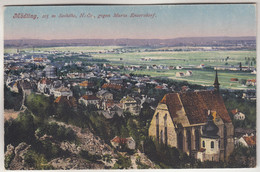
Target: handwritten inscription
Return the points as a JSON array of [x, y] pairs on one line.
[[86, 15]]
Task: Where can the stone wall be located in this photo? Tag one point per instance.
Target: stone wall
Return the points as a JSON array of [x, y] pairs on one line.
[[163, 113], [230, 139]]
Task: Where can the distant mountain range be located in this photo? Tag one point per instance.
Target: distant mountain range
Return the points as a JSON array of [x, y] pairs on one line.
[[188, 41]]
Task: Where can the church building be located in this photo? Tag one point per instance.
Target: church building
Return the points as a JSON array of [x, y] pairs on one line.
[[185, 119]]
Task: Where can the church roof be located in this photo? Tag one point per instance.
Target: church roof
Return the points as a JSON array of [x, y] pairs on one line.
[[196, 104]]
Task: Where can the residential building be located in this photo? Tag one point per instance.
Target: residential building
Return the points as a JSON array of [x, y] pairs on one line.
[[180, 74], [89, 99], [86, 84], [238, 115], [247, 141], [44, 85], [131, 105], [67, 100], [105, 95], [117, 142], [61, 91], [50, 72], [188, 73], [112, 86]]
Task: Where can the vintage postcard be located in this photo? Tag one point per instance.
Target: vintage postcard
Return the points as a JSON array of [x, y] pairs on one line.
[[165, 86]]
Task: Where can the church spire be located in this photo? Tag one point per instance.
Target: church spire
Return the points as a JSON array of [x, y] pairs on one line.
[[216, 83]]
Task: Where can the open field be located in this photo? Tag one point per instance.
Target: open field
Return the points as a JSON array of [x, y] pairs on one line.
[[187, 59], [202, 77], [195, 58]]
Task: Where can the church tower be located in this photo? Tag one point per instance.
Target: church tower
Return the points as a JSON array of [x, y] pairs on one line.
[[209, 141], [216, 83]]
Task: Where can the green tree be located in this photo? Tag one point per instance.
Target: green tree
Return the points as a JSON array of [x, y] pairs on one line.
[[122, 162]]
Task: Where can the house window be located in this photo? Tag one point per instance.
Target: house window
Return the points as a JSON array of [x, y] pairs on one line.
[[203, 143], [212, 145]]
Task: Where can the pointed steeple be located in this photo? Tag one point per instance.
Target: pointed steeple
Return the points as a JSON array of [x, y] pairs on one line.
[[216, 83]]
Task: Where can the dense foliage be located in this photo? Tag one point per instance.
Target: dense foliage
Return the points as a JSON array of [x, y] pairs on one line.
[[234, 101], [122, 162], [58, 132], [167, 157], [26, 128], [243, 157], [12, 100]]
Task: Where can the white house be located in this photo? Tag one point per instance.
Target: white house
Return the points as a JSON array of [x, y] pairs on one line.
[[44, 85], [247, 141], [104, 94], [178, 67], [238, 115], [61, 91], [117, 142], [188, 73], [131, 105], [180, 74], [89, 99]]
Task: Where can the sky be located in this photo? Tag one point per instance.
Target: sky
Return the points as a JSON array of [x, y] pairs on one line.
[[165, 21]]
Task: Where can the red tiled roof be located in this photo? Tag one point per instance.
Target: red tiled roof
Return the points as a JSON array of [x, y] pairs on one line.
[[159, 87], [112, 103], [250, 140], [233, 79], [173, 103], [195, 104], [234, 111], [72, 102], [90, 97], [45, 81], [251, 80], [86, 84], [119, 140], [202, 150], [38, 59], [112, 86]]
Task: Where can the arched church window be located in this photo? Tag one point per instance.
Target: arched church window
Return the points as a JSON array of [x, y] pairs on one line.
[[212, 145], [197, 139], [180, 141], [157, 126], [161, 136], [203, 143], [189, 140], [165, 130]]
